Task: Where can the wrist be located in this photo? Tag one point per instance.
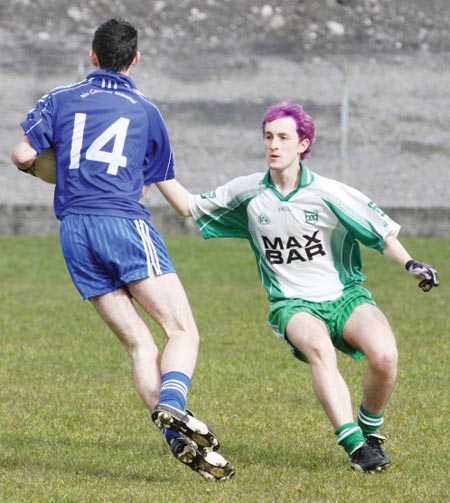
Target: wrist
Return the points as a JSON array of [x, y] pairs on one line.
[[409, 263]]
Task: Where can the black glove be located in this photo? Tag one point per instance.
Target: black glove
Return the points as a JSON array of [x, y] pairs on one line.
[[425, 271]]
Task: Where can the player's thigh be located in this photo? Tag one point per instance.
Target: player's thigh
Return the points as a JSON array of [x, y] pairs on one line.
[[120, 314], [309, 335], [368, 329], [164, 299]]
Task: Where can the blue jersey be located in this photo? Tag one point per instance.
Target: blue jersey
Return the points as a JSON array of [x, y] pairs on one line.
[[109, 141]]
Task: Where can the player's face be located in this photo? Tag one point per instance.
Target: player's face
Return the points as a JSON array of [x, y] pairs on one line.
[[282, 144]]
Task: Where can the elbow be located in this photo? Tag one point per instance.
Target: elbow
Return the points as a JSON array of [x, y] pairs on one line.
[[184, 212], [20, 161], [16, 158], [23, 155]]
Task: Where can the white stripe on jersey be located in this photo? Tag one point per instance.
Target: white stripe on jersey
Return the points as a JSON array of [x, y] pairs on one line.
[[324, 218], [150, 252], [147, 100], [33, 126]]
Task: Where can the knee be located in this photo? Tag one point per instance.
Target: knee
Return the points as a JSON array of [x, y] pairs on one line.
[[187, 331], [189, 336], [384, 361], [320, 351], [142, 348]]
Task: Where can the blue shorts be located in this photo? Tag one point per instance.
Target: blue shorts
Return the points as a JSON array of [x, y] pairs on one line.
[[105, 253]]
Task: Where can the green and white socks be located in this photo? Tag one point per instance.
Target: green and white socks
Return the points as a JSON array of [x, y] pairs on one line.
[[352, 435], [369, 422]]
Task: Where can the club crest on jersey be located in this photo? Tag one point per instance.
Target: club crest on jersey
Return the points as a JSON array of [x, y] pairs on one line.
[[311, 217], [263, 219], [376, 208], [208, 195]]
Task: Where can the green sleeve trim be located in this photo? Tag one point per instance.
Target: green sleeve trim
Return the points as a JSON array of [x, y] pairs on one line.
[[225, 223], [230, 221], [367, 235]]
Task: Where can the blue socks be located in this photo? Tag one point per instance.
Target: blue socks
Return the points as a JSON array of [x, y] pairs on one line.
[[174, 388]]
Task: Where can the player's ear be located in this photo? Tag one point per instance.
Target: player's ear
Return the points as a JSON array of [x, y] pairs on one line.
[[136, 59], [303, 145], [94, 59]]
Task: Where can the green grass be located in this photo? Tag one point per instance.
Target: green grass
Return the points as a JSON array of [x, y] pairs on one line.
[[72, 428]]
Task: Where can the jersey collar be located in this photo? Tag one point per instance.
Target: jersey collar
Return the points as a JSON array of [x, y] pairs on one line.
[[306, 178], [107, 75]]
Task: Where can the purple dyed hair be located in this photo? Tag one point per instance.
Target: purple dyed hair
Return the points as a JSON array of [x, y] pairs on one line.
[[305, 125]]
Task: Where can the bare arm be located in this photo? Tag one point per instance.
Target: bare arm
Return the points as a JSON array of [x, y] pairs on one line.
[[176, 195], [426, 272], [23, 155], [395, 250]]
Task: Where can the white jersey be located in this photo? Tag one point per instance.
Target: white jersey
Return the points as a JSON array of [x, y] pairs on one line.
[[305, 243]]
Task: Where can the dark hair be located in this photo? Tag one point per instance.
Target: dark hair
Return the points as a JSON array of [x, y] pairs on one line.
[[115, 44], [305, 125]]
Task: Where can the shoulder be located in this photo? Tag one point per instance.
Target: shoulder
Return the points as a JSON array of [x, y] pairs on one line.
[[61, 91], [233, 194], [149, 104], [247, 181], [246, 185], [152, 112], [333, 189], [323, 181], [73, 87]]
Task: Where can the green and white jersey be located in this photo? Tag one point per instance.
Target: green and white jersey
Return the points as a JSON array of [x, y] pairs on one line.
[[305, 243]]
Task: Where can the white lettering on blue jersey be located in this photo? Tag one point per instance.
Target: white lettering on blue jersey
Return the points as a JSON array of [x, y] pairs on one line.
[[109, 141]]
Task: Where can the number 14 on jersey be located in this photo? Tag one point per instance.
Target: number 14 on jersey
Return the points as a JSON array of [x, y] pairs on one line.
[[114, 159]]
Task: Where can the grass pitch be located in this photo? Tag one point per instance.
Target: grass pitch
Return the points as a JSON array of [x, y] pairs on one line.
[[72, 428]]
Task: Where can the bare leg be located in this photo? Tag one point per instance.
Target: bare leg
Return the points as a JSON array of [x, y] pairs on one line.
[[119, 313], [163, 298], [368, 329], [310, 336]]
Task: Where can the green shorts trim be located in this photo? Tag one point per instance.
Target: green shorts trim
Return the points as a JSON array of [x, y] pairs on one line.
[[333, 313]]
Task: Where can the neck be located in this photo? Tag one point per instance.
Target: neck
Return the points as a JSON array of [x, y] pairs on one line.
[[286, 180]]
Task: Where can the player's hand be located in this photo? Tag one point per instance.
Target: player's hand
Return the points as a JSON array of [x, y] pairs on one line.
[[425, 271]]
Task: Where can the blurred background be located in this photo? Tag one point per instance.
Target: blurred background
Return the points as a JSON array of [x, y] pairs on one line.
[[374, 74]]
